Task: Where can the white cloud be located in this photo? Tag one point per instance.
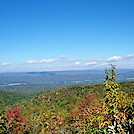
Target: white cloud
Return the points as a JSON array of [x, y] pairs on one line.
[[103, 64], [114, 58], [91, 63], [4, 64], [47, 60], [77, 63], [63, 56], [40, 61], [32, 62], [130, 56]]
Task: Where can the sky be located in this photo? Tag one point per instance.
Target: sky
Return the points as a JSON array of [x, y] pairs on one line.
[[48, 35]]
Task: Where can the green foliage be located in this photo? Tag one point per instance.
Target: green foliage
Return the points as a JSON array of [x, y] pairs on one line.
[[114, 115], [3, 128], [87, 109], [118, 107], [13, 122]]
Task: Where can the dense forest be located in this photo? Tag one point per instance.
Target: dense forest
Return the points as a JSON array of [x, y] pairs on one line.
[[106, 108]]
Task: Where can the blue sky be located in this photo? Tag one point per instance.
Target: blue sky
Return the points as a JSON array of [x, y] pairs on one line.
[[41, 35]]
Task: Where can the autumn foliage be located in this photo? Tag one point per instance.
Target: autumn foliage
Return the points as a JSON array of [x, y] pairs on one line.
[[13, 122], [88, 109]]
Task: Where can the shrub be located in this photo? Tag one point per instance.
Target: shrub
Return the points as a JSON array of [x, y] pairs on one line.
[[118, 107], [13, 122]]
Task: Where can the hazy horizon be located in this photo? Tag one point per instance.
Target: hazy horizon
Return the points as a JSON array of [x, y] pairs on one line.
[[91, 69]]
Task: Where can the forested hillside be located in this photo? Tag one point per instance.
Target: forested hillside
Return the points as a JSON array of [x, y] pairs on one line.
[[84, 109]]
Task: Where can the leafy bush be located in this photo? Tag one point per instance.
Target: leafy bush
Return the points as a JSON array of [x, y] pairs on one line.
[[118, 107], [13, 122]]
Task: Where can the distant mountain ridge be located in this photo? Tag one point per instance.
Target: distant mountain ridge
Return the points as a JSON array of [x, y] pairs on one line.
[[57, 79]]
